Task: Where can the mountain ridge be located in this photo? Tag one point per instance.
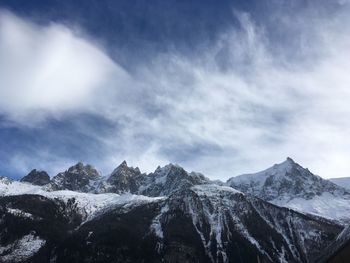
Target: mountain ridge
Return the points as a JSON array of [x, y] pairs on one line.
[[286, 184], [216, 216], [170, 215]]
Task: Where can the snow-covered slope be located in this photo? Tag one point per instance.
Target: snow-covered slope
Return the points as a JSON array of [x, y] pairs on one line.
[[343, 182], [88, 204], [289, 184]]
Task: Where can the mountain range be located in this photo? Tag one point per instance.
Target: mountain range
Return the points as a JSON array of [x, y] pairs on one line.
[[282, 214]]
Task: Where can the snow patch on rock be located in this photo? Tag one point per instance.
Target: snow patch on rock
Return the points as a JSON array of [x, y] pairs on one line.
[[20, 213], [21, 249]]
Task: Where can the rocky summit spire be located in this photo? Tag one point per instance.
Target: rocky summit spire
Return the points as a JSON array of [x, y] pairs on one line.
[[122, 179], [290, 160], [81, 169], [78, 177], [36, 177]]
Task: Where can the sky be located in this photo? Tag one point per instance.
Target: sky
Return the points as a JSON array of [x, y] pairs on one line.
[[218, 87]]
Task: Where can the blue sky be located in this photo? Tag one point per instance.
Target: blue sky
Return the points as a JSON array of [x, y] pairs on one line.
[[220, 87]]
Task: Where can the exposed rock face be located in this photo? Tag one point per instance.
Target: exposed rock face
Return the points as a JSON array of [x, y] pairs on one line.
[[123, 179], [31, 225], [36, 177], [80, 177], [169, 179]]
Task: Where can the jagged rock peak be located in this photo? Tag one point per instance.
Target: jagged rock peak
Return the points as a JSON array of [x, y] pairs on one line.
[[79, 177], [36, 177], [287, 165], [290, 160], [87, 169], [179, 170], [179, 173], [124, 167], [169, 179], [122, 179], [77, 166], [171, 171], [169, 167]]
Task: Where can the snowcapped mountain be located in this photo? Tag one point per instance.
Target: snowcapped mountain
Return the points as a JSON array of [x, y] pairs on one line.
[[290, 185], [169, 215]]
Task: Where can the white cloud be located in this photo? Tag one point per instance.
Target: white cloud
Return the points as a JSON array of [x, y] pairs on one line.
[[49, 70]]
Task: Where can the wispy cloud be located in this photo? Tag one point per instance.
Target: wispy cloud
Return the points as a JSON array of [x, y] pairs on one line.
[[239, 106]]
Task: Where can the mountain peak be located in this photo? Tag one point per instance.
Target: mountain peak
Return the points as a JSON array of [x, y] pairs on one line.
[[169, 167], [124, 168], [79, 168], [284, 181], [282, 169], [288, 163], [171, 178], [76, 178], [122, 179], [76, 167], [290, 160], [36, 177]]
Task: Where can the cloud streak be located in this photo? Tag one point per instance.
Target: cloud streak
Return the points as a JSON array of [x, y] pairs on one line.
[[236, 107]]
